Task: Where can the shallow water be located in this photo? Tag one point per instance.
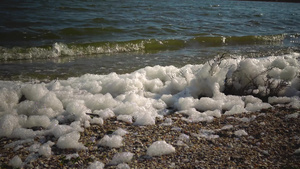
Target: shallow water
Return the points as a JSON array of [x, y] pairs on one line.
[[48, 40]]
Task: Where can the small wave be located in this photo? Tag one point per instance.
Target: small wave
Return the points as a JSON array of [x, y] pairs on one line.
[[149, 46], [101, 20], [240, 40], [61, 49], [88, 31], [65, 8]]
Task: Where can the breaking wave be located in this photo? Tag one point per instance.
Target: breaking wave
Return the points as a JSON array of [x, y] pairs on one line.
[[149, 46]]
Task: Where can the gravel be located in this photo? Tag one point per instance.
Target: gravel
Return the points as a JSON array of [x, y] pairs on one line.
[[271, 142]]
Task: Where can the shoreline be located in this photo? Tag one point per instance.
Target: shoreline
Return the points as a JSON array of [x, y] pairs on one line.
[[271, 141]]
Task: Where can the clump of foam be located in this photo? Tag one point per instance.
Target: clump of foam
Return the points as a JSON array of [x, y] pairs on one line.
[[145, 119], [34, 147], [123, 166], [125, 118], [240, 133], [294, 115], [104, 114], [208, 134], [16, 162], [77, 110], [196, 116], [45, 149], [7, 124], [60, 130], [227, 127], [34, 92], [297, 151], [8, 100], [70, 156], [167, 122], [250, 107], [37, 121], [23, 133], [51, 101], [279, 100], [124, 157], [120, 132], [70, 140], [97, 120], [237, 109], [159, 148], [96, 165], [113, 141], [184, 137]]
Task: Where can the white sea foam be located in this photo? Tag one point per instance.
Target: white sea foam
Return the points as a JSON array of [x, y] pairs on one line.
[[96, 165], [240, 133], [159, 148], [16, 162], [124, 157], [63, 108], [45, 149], [70, 140], [113, 141], [120, 132]]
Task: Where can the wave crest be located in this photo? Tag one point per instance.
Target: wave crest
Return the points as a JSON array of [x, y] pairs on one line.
[[150, 45]]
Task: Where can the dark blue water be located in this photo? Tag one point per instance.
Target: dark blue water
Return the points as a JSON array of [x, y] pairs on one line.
[[48, 39]]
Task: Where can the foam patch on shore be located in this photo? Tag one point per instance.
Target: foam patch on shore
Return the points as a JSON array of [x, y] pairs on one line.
[[223, 86]]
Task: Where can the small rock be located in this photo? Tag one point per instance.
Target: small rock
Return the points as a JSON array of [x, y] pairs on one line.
[[297, 152]]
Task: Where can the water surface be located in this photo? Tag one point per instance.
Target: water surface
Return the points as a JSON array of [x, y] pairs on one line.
[[58, 39]]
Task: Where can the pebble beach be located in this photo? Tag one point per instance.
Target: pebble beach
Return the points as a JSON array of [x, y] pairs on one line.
[[270, 139]]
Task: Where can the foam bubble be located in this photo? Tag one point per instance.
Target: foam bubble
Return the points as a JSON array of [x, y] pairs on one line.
[[70, 140], [120, 132], [145, 119], [124, 157], [51, 101], [23, 133], [113, 141], [240, 133], [105, 113], [37, 121], [78, 110], [34, 147], [96, 120], [237, 109], [7, 124], [34, 92], [257, 107], [99, 101], [196, 116], [8, 99], [16, 162], [184, 137], [45, 149], [159, 148], [123, 166], [279, 100], [96, 165], [125, 118], [60, 130], [206, 103]]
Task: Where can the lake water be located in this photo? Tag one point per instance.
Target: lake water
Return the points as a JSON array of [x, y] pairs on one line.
[[46, 40]]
